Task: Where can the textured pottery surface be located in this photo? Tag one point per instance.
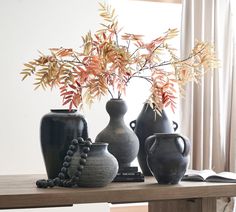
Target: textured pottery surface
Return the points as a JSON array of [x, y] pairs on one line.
[[100, 169], [123, 142], [167, 157], [148, 123], [57, 130]]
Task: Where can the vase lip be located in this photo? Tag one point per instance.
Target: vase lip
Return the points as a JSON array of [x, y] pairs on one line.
[[171, 133], [116, 99], [100, 144], [63, 110]]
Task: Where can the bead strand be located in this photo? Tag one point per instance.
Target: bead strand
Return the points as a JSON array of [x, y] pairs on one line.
[[61, 180]]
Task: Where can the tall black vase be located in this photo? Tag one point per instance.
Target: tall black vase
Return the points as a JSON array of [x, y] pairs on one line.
[[57, 130], [123, 142], [148, 123]]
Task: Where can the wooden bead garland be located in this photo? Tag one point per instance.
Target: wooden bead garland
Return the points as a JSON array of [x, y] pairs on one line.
[[62, 179]]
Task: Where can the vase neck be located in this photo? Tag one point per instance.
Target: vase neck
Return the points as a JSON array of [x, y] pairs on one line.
[[116, 108], [98, 148], [118, 120]]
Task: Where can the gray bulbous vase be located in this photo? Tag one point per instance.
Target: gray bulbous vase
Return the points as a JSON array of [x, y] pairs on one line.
[[123, 142], [148, 123], [100, 169], [167, 156]]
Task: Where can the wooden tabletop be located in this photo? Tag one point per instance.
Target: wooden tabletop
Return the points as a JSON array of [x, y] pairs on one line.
[[19, 191]]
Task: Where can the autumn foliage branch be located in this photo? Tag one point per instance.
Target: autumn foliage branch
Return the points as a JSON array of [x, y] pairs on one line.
[[107, 61]]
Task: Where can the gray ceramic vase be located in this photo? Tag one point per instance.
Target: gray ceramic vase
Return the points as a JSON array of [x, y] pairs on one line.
[[167, 156], [100, 169], [123, 142]]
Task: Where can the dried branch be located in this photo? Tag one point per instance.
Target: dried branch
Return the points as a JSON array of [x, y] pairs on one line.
[[105, 64]]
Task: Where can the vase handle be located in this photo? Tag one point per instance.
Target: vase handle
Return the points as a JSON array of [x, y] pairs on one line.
[[132, 124], [175, 125], [186, 145], [149, 143]]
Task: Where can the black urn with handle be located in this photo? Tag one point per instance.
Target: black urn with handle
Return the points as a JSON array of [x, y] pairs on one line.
[[148, 123], [167, 156], [57, 130]]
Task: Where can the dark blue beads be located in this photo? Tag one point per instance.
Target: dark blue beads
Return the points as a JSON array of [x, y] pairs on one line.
[[86, 149], [67, 183], [82, 161], [80, 167], [61, 176], [39, 183], [61, 179], [66, 164], [83, 155], [67, 159], [88, 143], [42, 183], [50, 183], [64, 170], [89, 140], [80, 140], [72, 147], [70, 153], [75, 142], [57, 181]]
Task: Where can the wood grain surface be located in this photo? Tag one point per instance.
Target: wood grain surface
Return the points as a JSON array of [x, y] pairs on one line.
[[19, 191]]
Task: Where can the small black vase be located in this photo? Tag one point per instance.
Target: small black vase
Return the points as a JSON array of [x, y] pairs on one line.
[[167, 156], [123, 142], [57, 130], [148, 123]]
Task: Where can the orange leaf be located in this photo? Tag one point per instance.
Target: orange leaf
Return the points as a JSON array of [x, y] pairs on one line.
[[66, 102], [67, 93], [72, 86]]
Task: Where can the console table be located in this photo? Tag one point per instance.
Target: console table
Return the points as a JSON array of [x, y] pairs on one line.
[[19, 191]]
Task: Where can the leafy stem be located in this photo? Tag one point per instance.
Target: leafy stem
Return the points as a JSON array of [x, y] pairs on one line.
[[110, 93], [104, 63]]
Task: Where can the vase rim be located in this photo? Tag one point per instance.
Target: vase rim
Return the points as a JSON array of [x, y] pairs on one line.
[[63, 110], [100, 144], [171, 133], [116, 99]]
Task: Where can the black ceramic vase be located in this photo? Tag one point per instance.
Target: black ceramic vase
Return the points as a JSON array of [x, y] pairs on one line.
[[57, 130], [148, 123], [167, 156], [100, 169], [123, 142]]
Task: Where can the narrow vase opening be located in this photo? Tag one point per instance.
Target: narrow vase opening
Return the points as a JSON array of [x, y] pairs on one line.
[[116, 99], [63, 111]]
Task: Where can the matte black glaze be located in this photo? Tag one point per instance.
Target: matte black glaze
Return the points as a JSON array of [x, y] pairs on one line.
[[167, 156], [57, 130], [148, 123]]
